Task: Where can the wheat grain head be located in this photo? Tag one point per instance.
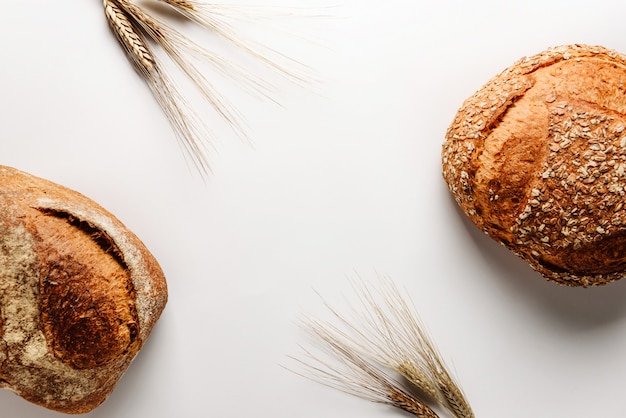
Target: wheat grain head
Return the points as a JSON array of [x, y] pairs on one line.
[[183, 119], [384, 329], [345, 368], [131, 39], [134, 25], [399, 339]]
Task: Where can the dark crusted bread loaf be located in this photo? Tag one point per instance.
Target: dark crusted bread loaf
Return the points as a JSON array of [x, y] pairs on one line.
[[79, 294], [537, 160]]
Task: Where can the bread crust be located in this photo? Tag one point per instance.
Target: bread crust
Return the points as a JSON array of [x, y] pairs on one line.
[[537, 160], [79, 295]]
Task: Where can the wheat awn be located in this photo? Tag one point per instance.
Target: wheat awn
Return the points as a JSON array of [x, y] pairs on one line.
[[134, 25], [382, 335]]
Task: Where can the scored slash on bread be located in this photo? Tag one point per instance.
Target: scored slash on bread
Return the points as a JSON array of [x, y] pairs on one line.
[[537, 160]]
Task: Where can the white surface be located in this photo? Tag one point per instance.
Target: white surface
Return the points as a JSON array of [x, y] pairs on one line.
[[344, 177]]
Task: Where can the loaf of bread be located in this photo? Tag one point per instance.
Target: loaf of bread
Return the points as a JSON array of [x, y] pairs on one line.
[[537, 160], [79, 294]]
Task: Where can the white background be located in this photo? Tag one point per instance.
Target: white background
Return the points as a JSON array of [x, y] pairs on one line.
[[343, 178]]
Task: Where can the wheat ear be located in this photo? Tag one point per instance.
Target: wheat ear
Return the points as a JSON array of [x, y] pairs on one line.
[[353, 373], [184, 121], [385, 330], [134, 25], [413, 346]]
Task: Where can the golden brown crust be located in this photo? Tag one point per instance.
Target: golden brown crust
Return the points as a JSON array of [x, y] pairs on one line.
[[79, 294], [537, 159]]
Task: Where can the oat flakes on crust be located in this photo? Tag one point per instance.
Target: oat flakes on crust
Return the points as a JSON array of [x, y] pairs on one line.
[[537, 160]]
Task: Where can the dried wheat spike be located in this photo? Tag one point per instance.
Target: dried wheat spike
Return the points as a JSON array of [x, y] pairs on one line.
[[186, 124], [411, 345], [134, 25], [129, 37], [385, 333], [351, 372]]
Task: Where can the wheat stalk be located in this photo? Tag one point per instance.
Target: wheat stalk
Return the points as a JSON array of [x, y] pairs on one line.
[[134, 25], [414, 346], [384, 331], [353, 373], [184, 121]]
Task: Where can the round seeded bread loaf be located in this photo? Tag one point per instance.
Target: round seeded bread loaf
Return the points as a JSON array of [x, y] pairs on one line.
[[79, 294], [537, 160]]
